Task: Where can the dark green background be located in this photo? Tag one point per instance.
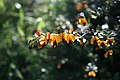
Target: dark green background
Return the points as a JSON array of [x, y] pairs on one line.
[[18, 62]]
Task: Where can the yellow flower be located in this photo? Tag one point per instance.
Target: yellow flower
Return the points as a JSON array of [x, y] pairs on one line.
[[94, 39], [110, 40], [55, 39], [71, 30], [44, 40], [109, 52], [97, 38], [92, 74], [82, 21], [69, 38], [99, 42], [102, 43]]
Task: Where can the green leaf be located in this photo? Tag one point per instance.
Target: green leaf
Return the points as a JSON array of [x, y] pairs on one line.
[[19, 74], [1, 3], [41, 24], [21, 16], [20, 31]]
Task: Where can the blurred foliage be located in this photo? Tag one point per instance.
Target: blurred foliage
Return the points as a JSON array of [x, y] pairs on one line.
[[20, 18]]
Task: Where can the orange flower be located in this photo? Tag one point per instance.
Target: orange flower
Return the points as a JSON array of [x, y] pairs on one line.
[[94, 39], [97, 38], [65, 37], [92, 74], [109, 52], [78, 7], [102, 43], [71, 30], [55, 39], [69, 38], [110, 40], [82, 21], [99, 42], [81, 42], [48, 36], [44, 40], [41, 42]]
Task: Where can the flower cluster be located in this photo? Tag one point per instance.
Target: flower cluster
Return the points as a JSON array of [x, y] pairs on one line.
[[102, 43], [43, 39], [71, 36]]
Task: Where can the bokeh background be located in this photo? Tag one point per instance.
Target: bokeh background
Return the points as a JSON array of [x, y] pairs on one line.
[[20, 18]]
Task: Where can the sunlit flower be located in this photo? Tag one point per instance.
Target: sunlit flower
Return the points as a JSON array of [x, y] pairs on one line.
[[55, 39], [69, 38], [71, 30], [44, 40], [82, 21], [92, 74], [94, 39], [99, 42], [109, 52], [102, 43], [111, 41], [48, 36]]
